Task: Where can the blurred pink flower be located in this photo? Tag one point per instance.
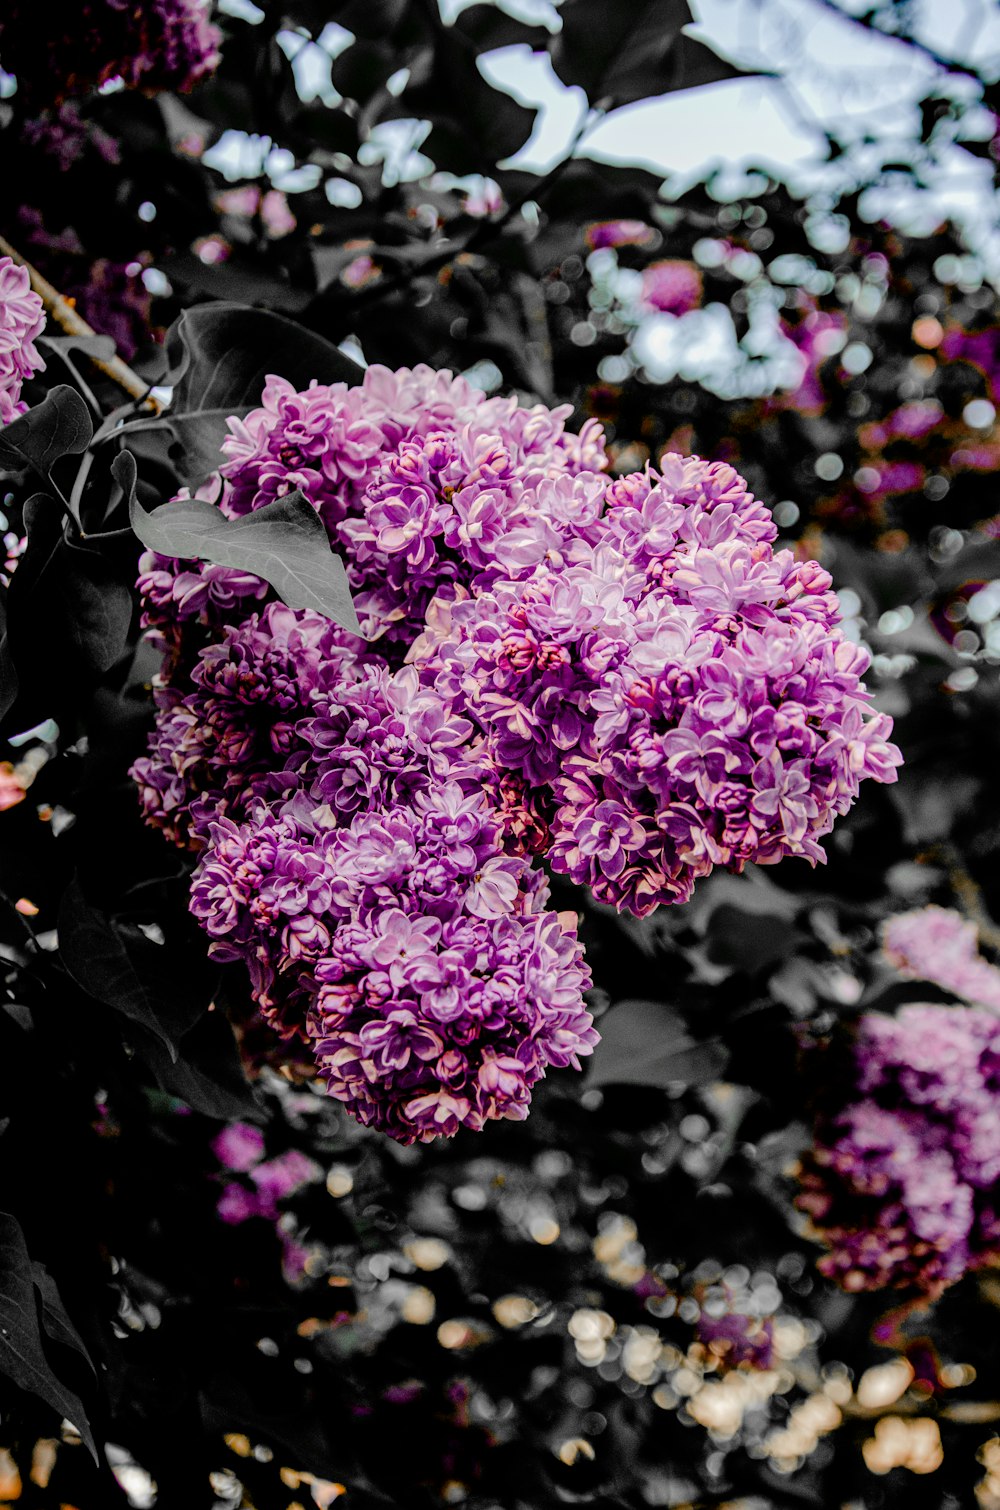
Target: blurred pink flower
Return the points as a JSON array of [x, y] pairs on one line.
[[239, 1146], [360, 272], [939, 945], [237, 1204], [618, 233], [277, 217], [673, 287], [11, 790], [483, 201], [282, 1175]]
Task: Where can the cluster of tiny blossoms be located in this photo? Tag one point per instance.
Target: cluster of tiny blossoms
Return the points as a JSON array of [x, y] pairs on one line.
[[619, 678], [167, 44], [938, 945], [22, 317], [902, 1180]]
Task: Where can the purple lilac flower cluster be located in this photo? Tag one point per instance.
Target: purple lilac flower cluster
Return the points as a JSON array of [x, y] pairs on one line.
[[902, 1180], [351, 855], [265, 1185], [674, 694], [240, 1149], [366, 886], [619, 677], [22, 317], [938, 945], [166, 44]]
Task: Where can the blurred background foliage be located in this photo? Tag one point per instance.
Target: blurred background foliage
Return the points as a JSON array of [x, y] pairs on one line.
[[531, 1316]]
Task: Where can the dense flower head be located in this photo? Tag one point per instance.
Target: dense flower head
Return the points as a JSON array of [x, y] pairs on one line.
[[22, 317], [368, 879], [619, 678], [424, 1025], [901, 1183], [675, 693], [166, 44], [939, 945]]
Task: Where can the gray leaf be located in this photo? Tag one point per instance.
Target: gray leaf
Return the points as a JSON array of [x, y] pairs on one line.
[[284, 543]]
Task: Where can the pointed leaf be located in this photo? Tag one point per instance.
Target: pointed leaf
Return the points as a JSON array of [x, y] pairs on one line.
[[647, 1043], [69, 609], [473, 125], [207, 1073], [220, 356], [55, 1322], [59, 426], [630, 52], [749, 940], [22, 1356], [95, 955], [284, 543]]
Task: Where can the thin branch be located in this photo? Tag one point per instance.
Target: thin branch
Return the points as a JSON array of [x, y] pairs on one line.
[[66, 317]]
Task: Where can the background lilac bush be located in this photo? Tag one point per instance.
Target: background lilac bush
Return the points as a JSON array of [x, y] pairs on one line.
[[747, 1255]]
